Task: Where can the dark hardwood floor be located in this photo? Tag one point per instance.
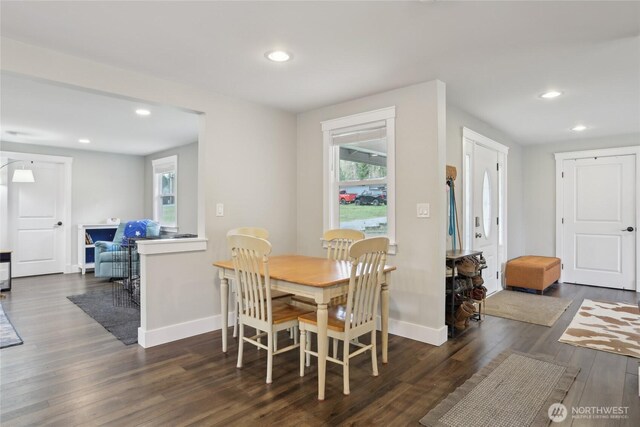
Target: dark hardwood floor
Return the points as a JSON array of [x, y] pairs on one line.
[[70, 371]]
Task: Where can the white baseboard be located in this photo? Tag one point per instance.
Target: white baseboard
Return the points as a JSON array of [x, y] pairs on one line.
[[154, 337], [420, 333], [179, 331]]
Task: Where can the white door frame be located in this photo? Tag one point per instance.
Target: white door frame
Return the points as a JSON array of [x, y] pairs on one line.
[[65, 244], [470, 139], [604, 152]]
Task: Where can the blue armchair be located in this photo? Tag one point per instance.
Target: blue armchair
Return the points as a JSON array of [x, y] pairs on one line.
[[111, 257]]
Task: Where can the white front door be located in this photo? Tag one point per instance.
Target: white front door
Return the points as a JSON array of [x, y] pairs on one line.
[[484, 229], [36, 211], [599, 228]]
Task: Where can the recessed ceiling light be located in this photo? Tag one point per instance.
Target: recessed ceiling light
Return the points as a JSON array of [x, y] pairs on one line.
[[278, 56], [84, 141], [143, 112], [551, 94], [579, 128]]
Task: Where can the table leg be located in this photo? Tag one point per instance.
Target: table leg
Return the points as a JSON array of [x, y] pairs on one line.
[[224, 310], [384, 319], [323, 319]]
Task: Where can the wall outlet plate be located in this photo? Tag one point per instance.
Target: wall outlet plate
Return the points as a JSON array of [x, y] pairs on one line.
[[219, 209]]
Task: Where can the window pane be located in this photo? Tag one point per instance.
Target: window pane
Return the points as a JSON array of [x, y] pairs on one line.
[[168, 215], [168, 210], [168, 200], [363, 154], [167, 181], [364, 208]]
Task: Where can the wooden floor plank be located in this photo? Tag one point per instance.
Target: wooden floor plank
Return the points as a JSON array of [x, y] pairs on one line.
[[606, 388], [71, 371], [631, 401]]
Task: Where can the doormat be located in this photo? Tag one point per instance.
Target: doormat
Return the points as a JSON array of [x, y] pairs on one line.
[[8, 335], [525, 307], [122, 322], [608, 326], [513, 390]]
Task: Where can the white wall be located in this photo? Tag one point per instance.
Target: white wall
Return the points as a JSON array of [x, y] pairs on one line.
[[187, 185], [104, 185], [4, 226], [417, 288], [540, 190], [456, 120], [258, 190]]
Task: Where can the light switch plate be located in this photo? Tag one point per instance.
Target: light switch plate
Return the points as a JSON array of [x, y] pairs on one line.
[[423, 210], [219, 209]]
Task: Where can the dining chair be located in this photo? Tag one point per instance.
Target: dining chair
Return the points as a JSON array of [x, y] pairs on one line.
[[358, 317], [257, 309], [261, 233], [337, 241]]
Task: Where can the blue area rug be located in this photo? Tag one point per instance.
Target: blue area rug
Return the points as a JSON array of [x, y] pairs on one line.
[[8, 335]]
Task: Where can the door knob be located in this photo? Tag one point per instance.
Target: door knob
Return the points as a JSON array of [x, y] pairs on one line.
[[629, 229], [59, 223], [478, 235]]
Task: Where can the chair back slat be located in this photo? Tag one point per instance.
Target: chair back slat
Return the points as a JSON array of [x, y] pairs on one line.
[[339, 240], [368, 258], [249, 254], [262, 233]]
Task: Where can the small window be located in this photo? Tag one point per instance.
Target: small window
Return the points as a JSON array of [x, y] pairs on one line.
[[165, 191], [362, 180], [359, 175]]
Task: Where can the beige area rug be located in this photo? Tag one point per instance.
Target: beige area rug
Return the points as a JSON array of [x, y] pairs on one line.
[[530, 308], [606, 326], [513, 390]]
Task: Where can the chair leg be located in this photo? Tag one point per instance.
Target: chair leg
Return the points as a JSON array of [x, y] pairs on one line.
[[303, 347], [308, 348], [345, 366], [269, 355], [240, 346], [374, 354], [335, 348], [235, 321], [275, 341], [295, 335]]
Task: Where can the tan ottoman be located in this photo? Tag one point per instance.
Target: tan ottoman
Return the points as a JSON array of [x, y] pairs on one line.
[[533, 272]]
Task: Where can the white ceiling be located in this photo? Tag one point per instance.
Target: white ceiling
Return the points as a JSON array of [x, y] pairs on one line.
[[496, 57], [46, 114]]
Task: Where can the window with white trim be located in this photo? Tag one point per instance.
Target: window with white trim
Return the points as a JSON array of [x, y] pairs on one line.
[[360, 173], [165, 191]]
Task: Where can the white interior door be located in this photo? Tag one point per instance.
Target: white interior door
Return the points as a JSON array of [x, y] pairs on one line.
[[599, 229], [36, 211], [484, 226]]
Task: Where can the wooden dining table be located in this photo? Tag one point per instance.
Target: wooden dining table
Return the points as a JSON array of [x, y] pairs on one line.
[[317, 278]]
